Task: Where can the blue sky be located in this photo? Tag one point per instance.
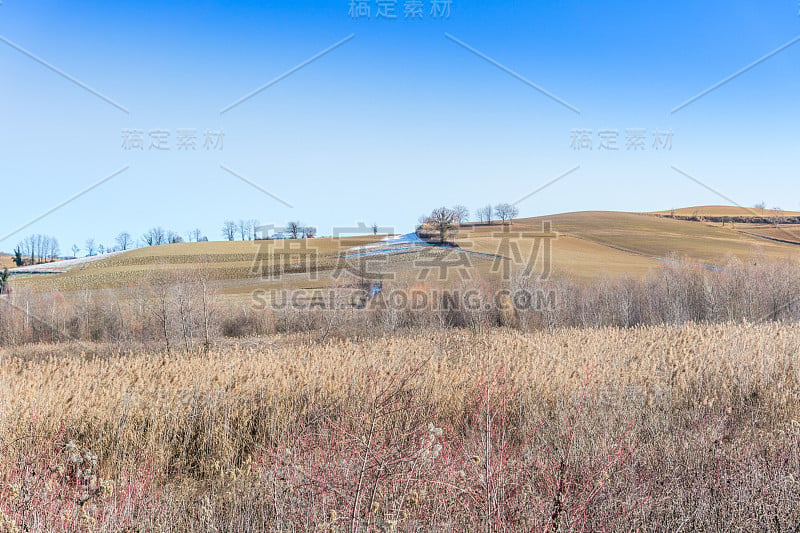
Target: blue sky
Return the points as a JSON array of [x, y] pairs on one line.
[[395, 121]]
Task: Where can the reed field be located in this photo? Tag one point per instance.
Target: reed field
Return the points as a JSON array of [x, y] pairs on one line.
[[628, 389], [691, 427]]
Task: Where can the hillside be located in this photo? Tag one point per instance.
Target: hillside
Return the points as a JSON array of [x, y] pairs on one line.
[[596, 243], [725, 211], [589, 245], [6, 261]]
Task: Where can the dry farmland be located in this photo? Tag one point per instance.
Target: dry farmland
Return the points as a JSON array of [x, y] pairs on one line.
[[659, 392], [604, 429]]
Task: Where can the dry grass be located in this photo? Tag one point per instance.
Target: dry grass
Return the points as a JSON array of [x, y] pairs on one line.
[[658, 428], [725, 211], [787, 233], [590, 245], [6, 261], [222, 261]]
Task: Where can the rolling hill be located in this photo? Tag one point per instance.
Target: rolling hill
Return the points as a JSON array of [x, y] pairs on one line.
[[725, 211], [589, 245]]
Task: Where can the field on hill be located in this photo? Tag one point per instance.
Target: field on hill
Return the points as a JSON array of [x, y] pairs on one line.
[[589, 246], [789, 234], [726, 211], [594, 244], [645, 429], [593, 371], [6, 261]]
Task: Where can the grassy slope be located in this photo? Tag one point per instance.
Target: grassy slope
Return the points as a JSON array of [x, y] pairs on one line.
[[725, 211], [789, 233], [6, 261], [590, 244]]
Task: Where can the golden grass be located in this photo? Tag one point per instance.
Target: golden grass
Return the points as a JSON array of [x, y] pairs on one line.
[[591, 245], [6, 261], [197, 423], [789, 233], [725, 211]]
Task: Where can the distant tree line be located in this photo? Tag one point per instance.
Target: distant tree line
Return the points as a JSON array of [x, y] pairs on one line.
[[36, 249], [442, 222], [244, 229]]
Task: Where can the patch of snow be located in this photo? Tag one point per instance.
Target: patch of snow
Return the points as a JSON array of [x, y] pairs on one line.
[[398, 243], [59, 267]]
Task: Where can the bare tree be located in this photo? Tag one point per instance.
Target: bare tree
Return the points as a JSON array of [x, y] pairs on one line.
[[244, 229], [160, 285], [123, 240], [173, 237], [485, 214], [294, 227], [441, 221], [461, 213], [195, 235], [90, 247], [155, 236], [253, 223], [374, 228], [505, 212], [309, 232], [229, 229], [776, 215], [75, 250]]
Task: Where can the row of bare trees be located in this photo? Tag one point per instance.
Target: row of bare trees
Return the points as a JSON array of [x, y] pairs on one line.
[[182, 310], [155, 236], [440, 224], [503, 212], [171, 309], [36, 249], [245, 229]]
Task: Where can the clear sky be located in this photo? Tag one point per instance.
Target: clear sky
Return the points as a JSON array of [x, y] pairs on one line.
[[482, 105]]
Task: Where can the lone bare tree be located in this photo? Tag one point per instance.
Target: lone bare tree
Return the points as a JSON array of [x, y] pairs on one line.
[[253, 224], [505, 212], [461, 212], [294, 227], [90, 247], [123, 240], [485, 214], [441, 222], [229, 230]]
